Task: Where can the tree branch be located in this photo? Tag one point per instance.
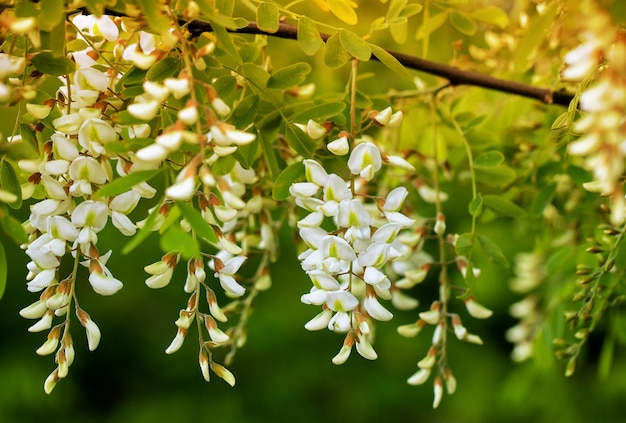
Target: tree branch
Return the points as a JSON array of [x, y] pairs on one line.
[[454, 75]]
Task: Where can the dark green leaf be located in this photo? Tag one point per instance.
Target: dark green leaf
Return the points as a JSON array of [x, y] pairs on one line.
[[268, 152], [464, 244], [475, 206], [502, 206], [175, 239], [267, 17], [125, 183], [308, 36], [493, 251], [300, 141], [223, 165], [355, 45], [134, 76], [3, 270], [335, 54], [390, 61], [542, 200], [245, 111], [293, 173], [10, 183], [162, 69], [197, 222], [49, 64], [289, 76], [225, 85]]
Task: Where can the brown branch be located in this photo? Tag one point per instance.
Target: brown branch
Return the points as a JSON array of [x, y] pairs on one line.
[[454, 75]]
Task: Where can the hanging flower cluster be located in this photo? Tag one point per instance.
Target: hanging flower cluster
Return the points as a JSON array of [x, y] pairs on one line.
[[350, 241], [602, 125]]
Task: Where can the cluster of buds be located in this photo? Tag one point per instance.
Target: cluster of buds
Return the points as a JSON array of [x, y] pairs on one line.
[[347, 264], [602, 144]]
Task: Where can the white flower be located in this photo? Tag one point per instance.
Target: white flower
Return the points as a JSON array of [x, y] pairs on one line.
[[84, 171], [315, 173], [103, 282], [339, 147], [144, 110], [226, 273], [365, 160], [352, 213], [375, 309], [477, 310], [320, 321]]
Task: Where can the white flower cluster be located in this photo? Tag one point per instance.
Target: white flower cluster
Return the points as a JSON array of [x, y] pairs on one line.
[[347, 263], [603, 143]]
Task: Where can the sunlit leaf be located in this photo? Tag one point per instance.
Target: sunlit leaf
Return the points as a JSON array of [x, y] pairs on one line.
[[431, 25], [335, 54], [399, 30], [534, 36], [291, 174], [154, 15], [308, 36], [322, 111], [492, 15], [125, 183], [344, 11], [391, 62], [52, 12], [267, 17], [355, 45], [289, 76]]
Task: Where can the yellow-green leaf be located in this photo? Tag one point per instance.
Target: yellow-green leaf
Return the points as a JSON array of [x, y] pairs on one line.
[[335, 54], [391, 62], [163, 69], [464, 244], [10, 183], [3, 270], [155, 16], [344, 11], [492, 15], [267, 17], [52, 12], [399, 30], [125, 183], [289, 76], [431, 24], [175, 239], [463, 23], [197, 222], [355, 45], [308, 36], [53, 65]]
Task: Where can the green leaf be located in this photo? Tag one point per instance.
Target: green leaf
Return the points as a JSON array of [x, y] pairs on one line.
[[95, 7], [225, 42], [534, 36], [10, 183], [225, 85], [300, 141], [223, 165], [464, 244], [489, 159], [399, 30], [493, 251], [256, 75], [14, 229], [495, 176], [411, 9], [49, 64], [175, 239], [197, 222], [502, 206], [245, 111], [492, 15], [155, 16], [162, 69], [322, 112], [308, 36], [343, 10], [542, 200], [267, 17], [288, 176], [54, 39], [125, 183], [391, 62], [52, 13], [125, 118], [335, 54], [134, 76], [289, 76], [355, 45], [431, 24], [19, 150], [475, 206], [3, 270], [268, 152], [395, 7], [143, 232], [463, 23]]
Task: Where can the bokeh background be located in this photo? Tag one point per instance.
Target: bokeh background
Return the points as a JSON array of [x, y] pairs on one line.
[[284, 373]]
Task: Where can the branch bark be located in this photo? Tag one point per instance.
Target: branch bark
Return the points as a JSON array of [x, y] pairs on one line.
[[454, 75]]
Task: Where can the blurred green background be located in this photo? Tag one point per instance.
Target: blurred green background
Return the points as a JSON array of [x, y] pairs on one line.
[[284, 373]]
